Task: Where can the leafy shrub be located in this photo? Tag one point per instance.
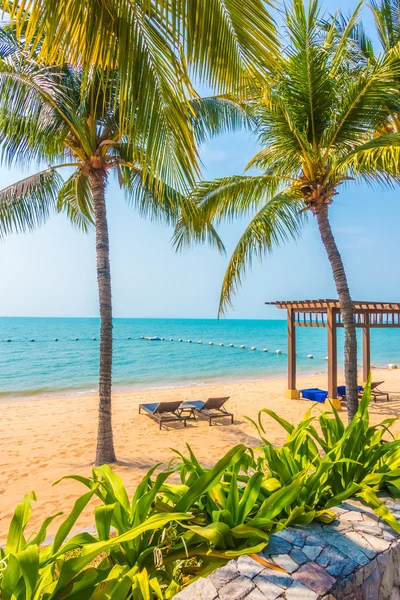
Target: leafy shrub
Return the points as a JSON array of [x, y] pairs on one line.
[[340, 462], [169, 533]]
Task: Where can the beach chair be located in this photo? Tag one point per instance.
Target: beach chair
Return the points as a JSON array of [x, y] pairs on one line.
[[164, 412], [213, 408], [377, 393]]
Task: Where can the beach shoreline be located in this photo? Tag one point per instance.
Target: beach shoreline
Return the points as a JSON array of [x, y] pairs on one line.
[[42, 441], [27, 396]]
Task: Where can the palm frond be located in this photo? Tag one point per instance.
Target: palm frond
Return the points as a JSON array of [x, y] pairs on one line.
[[280, 219], [218, 115], [363, 106], [28, 203], [379, 158], [75, 200], [219, 39], [387, 21], [229, 197]]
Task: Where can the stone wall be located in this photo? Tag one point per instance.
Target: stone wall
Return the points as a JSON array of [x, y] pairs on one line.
[[355, 558]]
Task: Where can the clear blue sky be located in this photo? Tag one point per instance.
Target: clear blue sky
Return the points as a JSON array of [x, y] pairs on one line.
[[52, 271]]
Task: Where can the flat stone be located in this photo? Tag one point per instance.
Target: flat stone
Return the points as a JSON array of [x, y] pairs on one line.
[[270, 590], [336, 563], [225, 574], [298, 591], [295, 536], [370, 587], [338, 526], [362, 542], [316, 540], [396, 562], [248, 567], [389, 537], [282, 580], [256, 594], [338, 510], [315, 578], [347, 547], [277, 545], [285, 562], [312, 551], [367, 570], [355, 505], [313, 528], [298, 556], [202, 589], [378, 544], [370, 527], [370, 517], [386, 587], [238, 589], [352, 516]]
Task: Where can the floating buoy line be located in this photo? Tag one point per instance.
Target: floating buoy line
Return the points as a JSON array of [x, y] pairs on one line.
[[189, 341]]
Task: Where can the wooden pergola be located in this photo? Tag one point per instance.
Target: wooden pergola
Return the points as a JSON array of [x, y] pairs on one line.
[[326, 313]]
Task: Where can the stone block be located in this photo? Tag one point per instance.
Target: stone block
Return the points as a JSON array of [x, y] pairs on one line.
[[370, 587], [256, 594], [202, 589], [347, 547], [298, 556], [248, 567], [312, 551], [270, 590], [378, 544], [238, 589], [298, 591], [294, 535], [285, 562], [363, 543], [336, 563], [225, 574], [315, 578], [282, 580], [277, 545], [387, 576], [351, 516]]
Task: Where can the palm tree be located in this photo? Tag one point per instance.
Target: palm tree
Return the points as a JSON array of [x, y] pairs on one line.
[[152, 46], [319, 107], [63, 117]]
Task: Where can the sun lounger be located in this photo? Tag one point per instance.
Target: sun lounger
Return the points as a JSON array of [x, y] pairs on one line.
[[314, 394], [164, 412], [213, 408], [377, 393]]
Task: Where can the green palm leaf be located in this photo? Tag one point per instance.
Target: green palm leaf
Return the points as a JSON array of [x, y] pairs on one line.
[[280, 219], [28, 203]]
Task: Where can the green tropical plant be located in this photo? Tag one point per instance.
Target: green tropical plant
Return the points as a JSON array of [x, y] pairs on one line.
[[153, 44], [341, 461], [312, 116], [62, 117], [169, 533]]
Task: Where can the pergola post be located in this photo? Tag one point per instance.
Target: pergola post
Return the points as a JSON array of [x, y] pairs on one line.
[[366, 342], [332, 357], [291, 392]]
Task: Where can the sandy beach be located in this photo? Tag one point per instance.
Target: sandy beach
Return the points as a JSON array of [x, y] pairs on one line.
[[43, 439]]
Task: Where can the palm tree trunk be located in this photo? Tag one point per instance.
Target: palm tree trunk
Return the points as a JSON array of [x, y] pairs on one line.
[[105, 452], [346, 309]]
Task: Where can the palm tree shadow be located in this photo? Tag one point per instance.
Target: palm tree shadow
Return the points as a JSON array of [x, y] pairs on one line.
[[384, 408]]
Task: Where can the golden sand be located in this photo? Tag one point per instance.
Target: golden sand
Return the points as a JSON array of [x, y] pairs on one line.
[[43, 439]]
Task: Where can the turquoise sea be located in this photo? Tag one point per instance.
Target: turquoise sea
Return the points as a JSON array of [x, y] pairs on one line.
[[70, 365]]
